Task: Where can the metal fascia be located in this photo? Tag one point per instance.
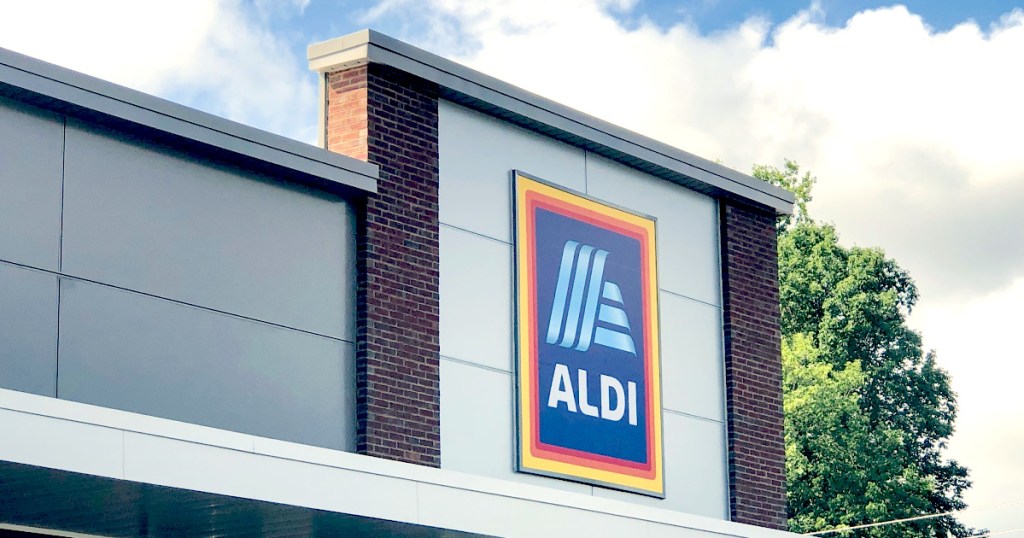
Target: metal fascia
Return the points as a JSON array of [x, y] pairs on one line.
[[43, 84], [473, 88]]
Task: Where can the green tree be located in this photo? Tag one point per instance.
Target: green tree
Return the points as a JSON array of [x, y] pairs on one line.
[[834, 471], [789, 178], [868, 413]]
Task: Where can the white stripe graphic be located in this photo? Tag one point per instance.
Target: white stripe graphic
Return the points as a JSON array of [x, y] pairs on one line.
[[573, 322]]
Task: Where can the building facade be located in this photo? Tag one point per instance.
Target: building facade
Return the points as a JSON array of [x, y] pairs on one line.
[[209, 329]]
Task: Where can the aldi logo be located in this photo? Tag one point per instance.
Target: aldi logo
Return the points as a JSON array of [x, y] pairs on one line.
[[587, 268], [588, 368]]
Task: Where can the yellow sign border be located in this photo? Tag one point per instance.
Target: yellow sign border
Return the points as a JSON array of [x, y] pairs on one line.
[[528, 462]]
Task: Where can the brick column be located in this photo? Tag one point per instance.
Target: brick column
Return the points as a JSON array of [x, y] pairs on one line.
[[389, 118], [753, 367]]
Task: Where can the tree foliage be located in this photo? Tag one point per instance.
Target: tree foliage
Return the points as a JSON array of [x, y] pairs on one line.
[[868, 413], [789, 178]]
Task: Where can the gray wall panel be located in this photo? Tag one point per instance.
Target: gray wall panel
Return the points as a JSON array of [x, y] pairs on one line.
[[147, 219], [687, 226], [477, 154], [477, 435], [128, 351], [696, 477], [28, 330], [31, 149], [692, 362], [476, 299]]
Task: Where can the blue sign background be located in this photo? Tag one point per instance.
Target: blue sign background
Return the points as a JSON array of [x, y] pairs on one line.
[[559, 426]]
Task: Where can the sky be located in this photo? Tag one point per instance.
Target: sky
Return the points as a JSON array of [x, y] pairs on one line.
[[910, 115]]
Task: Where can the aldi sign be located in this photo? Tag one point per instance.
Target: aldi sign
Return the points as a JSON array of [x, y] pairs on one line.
[[588, 368]]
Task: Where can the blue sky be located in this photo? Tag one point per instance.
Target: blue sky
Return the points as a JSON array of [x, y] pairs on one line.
[[323, 19], [327, 19], [335, 18], [713, 15], [909, 116]]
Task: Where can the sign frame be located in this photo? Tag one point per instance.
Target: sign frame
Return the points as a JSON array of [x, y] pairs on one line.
[[532, 455]]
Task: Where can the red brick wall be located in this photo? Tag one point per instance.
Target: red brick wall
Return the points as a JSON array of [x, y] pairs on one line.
[[346, 113], [389, 118], [753, 367]]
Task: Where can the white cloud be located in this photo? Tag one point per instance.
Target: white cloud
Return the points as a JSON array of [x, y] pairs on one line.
[[976, 341], [916, 144], [139, 44], [216, 56]]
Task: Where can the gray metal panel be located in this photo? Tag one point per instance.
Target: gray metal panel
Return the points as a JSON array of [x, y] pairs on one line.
[[692, 363], [28, 330], [494, 96], [477, 431], [477, 154], [31, 146], [143, 218], [476, 299], [54, 87], [127, 351], [688, 250], [695, 469]]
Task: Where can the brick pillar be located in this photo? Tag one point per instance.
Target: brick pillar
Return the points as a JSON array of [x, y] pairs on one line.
[[753, 367], [389, 118]]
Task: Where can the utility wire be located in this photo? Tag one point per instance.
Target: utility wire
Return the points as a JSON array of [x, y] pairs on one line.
[[987, 534], [918, 518]]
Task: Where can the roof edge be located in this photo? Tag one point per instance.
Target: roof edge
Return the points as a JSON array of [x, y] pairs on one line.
[[42, 84], [484, 92]]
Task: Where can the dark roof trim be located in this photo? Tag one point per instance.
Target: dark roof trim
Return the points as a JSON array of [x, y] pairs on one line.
[[488, 94], [42, 500], [68, 92]]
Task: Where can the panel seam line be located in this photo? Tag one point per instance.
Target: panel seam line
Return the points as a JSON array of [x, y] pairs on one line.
[[176, 301]]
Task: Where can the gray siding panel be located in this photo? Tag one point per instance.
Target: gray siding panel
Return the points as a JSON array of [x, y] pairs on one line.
[[140, 277], [31, 146], [147, 219], [137, 353], [28, 330]]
